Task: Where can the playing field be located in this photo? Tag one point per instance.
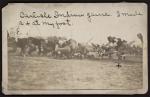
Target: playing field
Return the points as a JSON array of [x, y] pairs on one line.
[[47, 73]]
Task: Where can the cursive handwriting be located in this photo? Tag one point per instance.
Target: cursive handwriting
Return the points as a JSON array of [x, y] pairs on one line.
[[57, 14], [91, 15], [55, 24], [35, 15], [57, 19], [125, 14]]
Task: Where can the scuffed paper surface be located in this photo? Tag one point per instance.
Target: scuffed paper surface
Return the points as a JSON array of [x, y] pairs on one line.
[[86, 23]]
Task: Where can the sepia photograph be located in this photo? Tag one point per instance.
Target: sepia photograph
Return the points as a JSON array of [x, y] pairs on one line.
[[74, 48]]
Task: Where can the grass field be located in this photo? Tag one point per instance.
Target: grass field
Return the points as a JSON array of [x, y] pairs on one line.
[[46, 73]]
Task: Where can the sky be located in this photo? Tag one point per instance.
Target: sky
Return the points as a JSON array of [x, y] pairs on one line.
[[81, 29]]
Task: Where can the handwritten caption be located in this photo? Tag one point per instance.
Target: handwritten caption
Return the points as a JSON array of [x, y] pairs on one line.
[[58, 19]]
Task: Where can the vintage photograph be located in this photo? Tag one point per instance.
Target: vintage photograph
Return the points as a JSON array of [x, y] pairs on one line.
[[74, 48]]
